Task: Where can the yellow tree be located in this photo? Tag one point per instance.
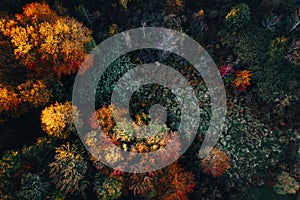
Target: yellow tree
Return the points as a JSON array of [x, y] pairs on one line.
[[46, 43]]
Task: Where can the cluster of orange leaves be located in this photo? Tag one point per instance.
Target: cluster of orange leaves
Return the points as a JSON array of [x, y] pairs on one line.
[[103, 118], [169, 183], [104, 121], [24, 96], [36, 93], [242, 80], [9, 100], [175, 4], [215, 163], [45, 42], [142, 184], [175, 183]]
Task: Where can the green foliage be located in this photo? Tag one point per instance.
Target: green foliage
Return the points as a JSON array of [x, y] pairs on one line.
[[69, 169], [40, 153], [286, 184], [272, 81], [252, 146], [238, 17], [110, 78], [249, 46], [107, 188], [32, 187], [10, 164], [263, 193]]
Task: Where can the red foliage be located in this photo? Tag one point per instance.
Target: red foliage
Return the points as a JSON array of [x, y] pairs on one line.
[[215, 163], [176, 183], [226, 69]]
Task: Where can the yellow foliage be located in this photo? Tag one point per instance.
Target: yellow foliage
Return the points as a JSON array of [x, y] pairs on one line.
[[231, 13], [279, 40], [66, 151], [15, 101], [286, 184], [57, 119], [201, 12], [124, 3], [113, 29], [242, 78], [9, 100], [45, 42], [36, 93]]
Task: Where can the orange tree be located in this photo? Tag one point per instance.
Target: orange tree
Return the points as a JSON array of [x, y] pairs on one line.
[[47, 44]]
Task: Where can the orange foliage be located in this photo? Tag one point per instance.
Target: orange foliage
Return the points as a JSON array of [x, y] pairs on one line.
[[175, 5], [175, 183], [15, 101], [36, 93], [45, 42], [215, 163], [103, 118], [36, 11], [242, 80], [9, 100], [141, 184]]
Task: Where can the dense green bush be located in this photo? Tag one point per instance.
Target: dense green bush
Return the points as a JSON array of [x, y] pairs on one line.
[[238, 17], [32, 187], [253, 147]]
